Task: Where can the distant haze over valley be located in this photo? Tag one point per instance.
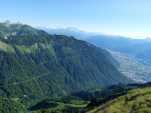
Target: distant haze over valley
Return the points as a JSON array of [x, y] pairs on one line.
[[68, 30]]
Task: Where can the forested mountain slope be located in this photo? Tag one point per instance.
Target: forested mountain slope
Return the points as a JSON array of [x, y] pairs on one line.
[[34, 64]]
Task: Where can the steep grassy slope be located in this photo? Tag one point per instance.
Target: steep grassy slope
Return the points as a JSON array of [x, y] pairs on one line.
[[35, 65], [135, 101]]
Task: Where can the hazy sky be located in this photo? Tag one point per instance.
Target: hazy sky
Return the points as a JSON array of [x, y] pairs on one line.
[[121, 17]]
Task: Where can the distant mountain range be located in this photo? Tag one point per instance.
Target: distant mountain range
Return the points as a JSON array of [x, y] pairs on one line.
[[71, 31], [139, 48]]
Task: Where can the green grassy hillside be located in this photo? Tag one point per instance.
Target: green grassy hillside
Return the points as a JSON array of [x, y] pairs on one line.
[[135, 101]]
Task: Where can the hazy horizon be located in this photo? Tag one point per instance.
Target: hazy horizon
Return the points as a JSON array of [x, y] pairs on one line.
[[75, 29], [113, 17]]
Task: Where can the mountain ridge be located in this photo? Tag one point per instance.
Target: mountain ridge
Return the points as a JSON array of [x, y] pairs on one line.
[[37, 65]]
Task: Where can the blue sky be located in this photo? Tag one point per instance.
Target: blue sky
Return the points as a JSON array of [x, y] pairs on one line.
[[118, 17]]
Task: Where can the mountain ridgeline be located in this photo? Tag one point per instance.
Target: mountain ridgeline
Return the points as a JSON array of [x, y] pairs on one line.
[[35, 65], [139, 48]]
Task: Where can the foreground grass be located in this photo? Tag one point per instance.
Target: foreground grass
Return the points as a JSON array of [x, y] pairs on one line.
[[135, 101]]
